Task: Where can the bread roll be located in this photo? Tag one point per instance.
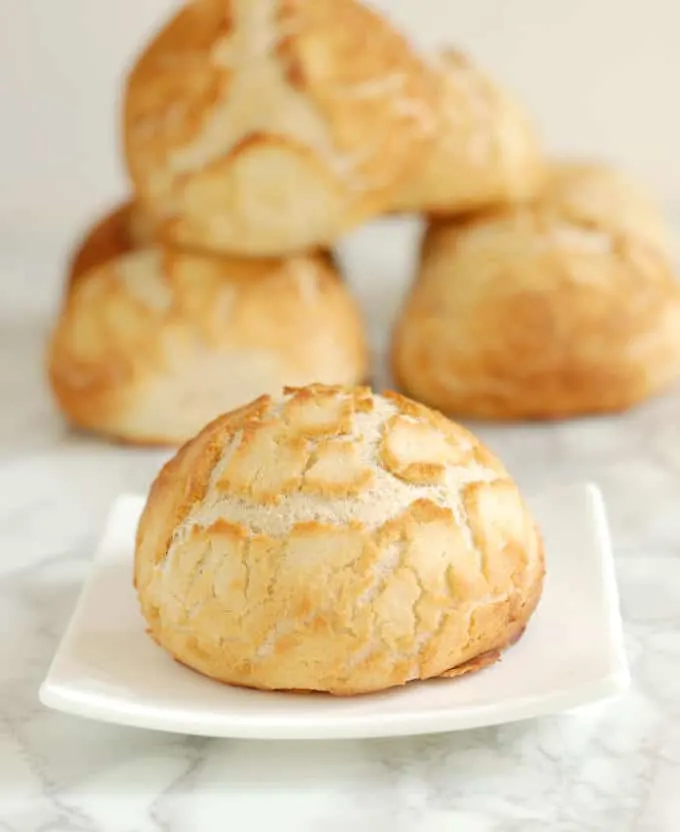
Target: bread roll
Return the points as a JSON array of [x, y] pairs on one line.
[[484, 151], [265, 127], [553, 310], [334, 540], [154, 343], [123, 229]]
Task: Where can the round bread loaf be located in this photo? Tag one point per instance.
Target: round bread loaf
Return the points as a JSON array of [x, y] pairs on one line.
[[561, 308], [265, 127], [153, 343], [330, 539], [484, 151]]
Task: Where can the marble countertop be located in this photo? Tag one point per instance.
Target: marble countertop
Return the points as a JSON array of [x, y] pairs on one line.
[[614, 768]]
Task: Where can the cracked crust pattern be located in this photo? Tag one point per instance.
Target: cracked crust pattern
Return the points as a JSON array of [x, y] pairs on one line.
[[152, 343], [485, 150], [265, 127], [335, 540], [564, 307]]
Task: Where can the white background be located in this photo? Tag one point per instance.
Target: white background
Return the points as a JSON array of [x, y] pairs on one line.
[[599, 75]]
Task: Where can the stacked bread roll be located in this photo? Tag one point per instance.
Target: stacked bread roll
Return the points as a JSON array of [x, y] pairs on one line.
[[256, 133]]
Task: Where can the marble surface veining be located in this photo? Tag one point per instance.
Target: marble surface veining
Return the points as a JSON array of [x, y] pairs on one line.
[[612, 768]]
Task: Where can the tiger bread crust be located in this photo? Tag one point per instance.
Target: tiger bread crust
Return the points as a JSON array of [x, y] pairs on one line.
[[266, 127], [151, 343], [564, 307], [332, 539]]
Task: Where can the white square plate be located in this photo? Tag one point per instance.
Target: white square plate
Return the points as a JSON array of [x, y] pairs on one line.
[[107, 668]]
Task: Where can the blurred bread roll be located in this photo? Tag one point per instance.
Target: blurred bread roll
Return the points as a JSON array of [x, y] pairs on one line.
[[484, 150], [334, 540], [266, 127], [153, 343], [561, 308]]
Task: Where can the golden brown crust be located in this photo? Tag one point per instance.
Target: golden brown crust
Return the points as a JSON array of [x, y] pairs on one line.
[[154, 342], [267, 150], [122, 230], [485, 659], [554, 310], [314, 567], [484, 151]]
